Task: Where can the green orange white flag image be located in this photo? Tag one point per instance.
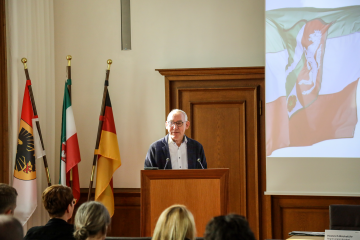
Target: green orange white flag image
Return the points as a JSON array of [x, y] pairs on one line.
[[28, 150], [108, 159], [69, 151], [312, 73]]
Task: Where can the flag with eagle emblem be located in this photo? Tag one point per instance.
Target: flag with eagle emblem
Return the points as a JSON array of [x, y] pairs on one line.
[[28, 150]]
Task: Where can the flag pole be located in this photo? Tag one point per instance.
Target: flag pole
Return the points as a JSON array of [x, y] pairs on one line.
[[24, 61], [69, 57], [102, 112]]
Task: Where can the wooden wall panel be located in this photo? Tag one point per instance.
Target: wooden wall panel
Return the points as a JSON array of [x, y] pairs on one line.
[[218, 123], [126, 219], [227, 118], [303, 213]]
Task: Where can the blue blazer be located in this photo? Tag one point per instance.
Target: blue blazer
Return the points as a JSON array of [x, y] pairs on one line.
[[159, 152]]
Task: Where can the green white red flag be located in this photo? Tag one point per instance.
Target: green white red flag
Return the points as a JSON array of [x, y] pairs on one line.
[[312, 72], [69, 149]]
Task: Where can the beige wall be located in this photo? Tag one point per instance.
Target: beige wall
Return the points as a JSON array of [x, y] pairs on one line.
[[165, 34]]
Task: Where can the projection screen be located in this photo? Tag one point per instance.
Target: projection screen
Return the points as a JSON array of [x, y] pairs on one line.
[[312, 98]]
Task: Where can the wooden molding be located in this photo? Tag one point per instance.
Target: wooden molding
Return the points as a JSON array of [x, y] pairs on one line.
[[4, 125], [210, 71]]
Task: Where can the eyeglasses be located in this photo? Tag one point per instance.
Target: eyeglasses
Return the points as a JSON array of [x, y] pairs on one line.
[[178, 123]]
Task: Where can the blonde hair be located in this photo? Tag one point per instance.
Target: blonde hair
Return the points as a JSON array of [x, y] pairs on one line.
[[91, 218], [175, 223]]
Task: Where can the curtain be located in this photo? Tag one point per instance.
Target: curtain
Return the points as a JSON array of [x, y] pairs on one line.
[[30, 34]]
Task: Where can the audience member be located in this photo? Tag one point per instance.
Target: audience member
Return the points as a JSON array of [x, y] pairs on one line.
[[91, 221], [58, 200], [175, 223], [8, 196], [229, 227], [10, 228]]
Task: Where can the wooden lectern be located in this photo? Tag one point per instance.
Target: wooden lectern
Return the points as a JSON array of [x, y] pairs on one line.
[[203, 192]]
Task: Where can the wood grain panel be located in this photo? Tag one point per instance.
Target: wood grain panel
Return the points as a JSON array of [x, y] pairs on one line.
[[126, 219], [226, 117], [4, 134], [222, 150], [204, 191], [223, 121], [300, 213], [249, 71]]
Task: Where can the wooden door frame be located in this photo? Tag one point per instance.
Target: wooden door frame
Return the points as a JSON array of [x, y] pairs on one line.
[[264, 224], [4, 125]]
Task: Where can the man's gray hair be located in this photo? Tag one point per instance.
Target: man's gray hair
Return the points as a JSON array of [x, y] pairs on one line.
[[176, 111], [8, 196]]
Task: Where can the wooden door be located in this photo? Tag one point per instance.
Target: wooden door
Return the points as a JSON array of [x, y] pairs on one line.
[[225, 113]]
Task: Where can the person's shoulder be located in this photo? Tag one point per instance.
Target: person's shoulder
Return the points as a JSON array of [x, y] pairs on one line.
[[33, 231], [53, 230], [160, 142], [193, 141]]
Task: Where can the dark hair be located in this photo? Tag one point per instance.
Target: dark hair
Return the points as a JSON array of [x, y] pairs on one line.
[[8, 196], [10, 228], [91, 218], [56, 199], [228, 227]]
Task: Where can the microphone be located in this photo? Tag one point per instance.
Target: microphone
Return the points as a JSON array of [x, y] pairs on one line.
[[167, 160], [200, 163]]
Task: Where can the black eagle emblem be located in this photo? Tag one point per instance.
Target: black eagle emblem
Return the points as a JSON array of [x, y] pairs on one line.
[[25, 153]]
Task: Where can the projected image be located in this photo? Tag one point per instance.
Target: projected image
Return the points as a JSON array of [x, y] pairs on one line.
[[312, 74]]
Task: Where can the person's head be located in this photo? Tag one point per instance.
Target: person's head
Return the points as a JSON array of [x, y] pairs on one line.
[[176, 124], [59, 201], [175, 223], [91, 221], [228, 227], [10, 228], [8, 196]]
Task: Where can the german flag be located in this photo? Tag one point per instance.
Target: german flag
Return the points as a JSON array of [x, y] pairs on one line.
[[108, 159]]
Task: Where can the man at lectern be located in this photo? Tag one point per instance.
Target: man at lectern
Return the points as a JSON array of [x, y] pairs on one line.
[[176, 150]]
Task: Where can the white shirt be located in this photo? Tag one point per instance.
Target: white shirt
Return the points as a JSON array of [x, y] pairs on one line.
[[178, 155]]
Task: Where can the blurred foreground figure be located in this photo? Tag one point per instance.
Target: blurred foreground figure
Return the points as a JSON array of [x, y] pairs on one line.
[[91, 221], [229, 227], [59, 201], [10, 228], [8, 196], [175, 223]]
